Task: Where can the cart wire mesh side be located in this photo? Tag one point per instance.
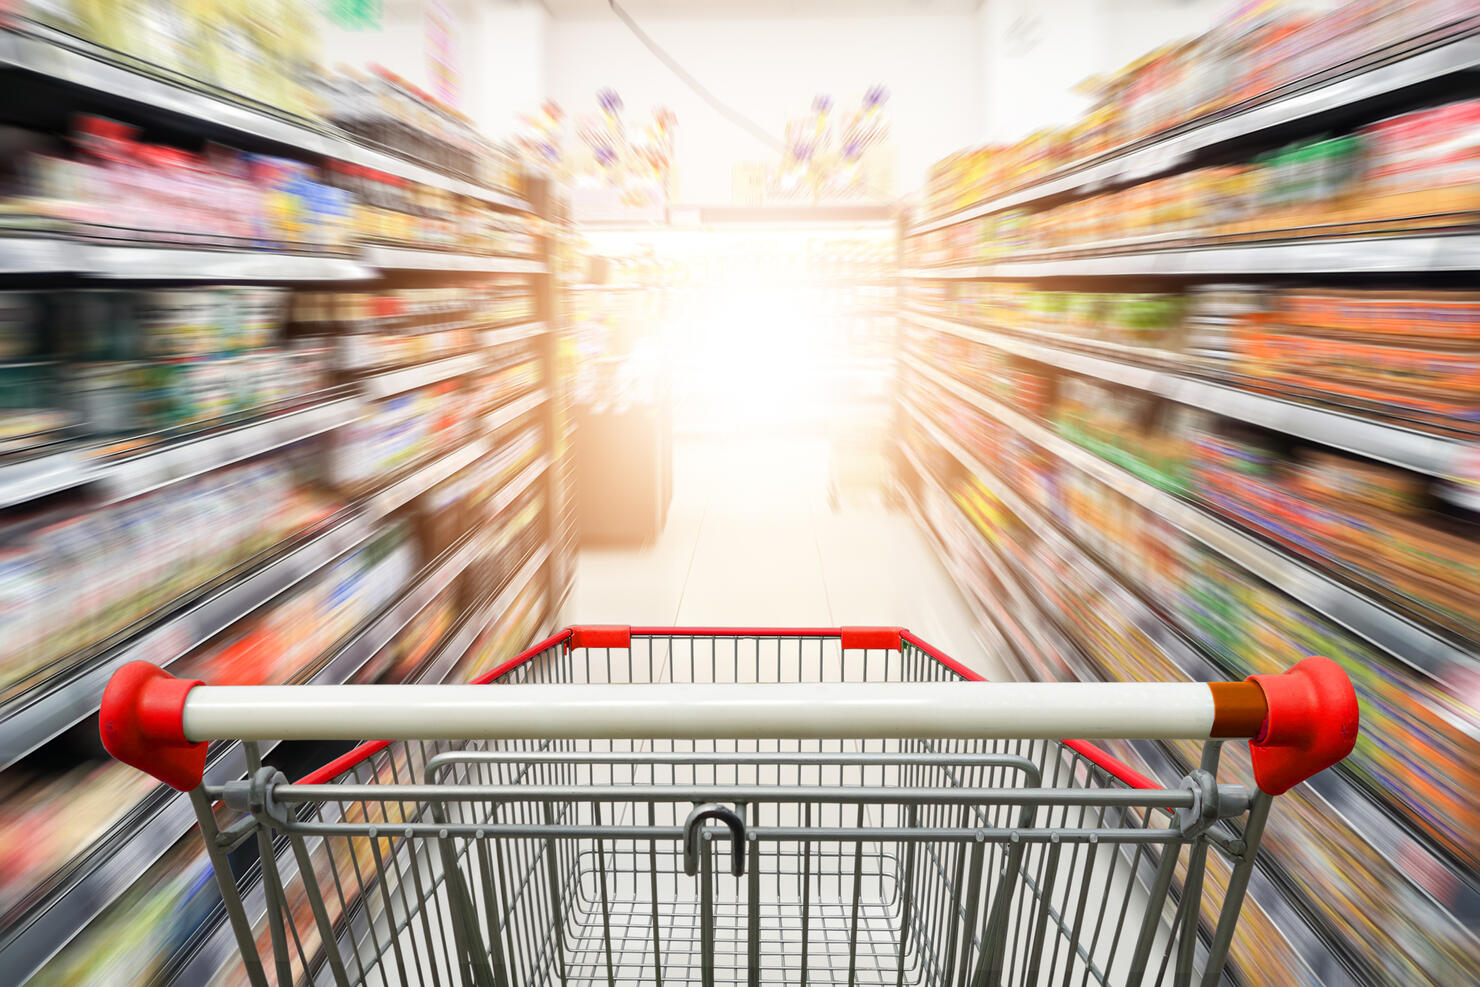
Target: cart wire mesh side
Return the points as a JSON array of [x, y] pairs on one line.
[[842, 860]]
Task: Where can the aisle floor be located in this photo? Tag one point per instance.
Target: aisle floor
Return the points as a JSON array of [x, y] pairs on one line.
[[752, 541]]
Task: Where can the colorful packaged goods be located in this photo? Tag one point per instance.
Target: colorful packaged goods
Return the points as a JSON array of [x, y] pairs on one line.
[[68, 581], [1419, 170], [287, 640], [116, 186], [267, 53], [1363, 518], [1124, 426], [263, 50], [384, 109], [1412, 748], [399, 431], [1400, 352], [1262, 54]]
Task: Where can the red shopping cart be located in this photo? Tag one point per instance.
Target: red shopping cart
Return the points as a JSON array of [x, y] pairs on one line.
[[728, 805]]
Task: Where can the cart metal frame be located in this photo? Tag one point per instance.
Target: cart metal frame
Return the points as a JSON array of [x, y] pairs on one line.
[[727, 805]]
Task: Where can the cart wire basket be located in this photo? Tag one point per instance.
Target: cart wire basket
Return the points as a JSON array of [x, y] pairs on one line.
[[627, 805]]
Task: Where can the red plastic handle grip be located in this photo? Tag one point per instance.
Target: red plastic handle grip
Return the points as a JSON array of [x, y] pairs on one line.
[[1312, 723], [141, 722]]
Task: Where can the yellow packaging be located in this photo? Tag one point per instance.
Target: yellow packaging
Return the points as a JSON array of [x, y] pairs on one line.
[[301, 55], [233, 68], [262, 23], [159, 33], [110, 22], [75, 17]]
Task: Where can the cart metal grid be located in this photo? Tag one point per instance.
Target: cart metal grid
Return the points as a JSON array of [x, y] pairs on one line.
[[697, 848]]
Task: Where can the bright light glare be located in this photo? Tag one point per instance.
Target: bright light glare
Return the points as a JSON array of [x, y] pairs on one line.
[[762, 322]]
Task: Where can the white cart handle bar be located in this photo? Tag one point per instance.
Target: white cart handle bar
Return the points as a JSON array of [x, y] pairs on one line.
[[1299, 723]]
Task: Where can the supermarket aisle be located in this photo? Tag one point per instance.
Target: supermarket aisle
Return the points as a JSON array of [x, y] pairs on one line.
[[751, 541]]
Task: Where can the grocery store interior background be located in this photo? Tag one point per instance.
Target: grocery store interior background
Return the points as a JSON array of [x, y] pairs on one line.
[[375, 341]]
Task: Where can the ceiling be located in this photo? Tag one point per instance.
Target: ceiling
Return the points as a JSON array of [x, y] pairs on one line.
[[736, 9]]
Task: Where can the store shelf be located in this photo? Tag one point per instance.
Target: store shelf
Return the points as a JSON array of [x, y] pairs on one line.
[[499, 335], [1453, 57], [1415, 254], [407, 259], [1318, 954], [78, 463], [1015, 640], [988, 634], [44, 474], [119, 859], [1421, 648], [1372, 825], [156, 468], [46, 710], [155, 262], [409, 378], [1410, 449], [114, 862], [514, 410], [74, 63], [43, 712], [105, 872], [457, 646], [66, 75], [219, 946], [1263, 892], [408, 488]]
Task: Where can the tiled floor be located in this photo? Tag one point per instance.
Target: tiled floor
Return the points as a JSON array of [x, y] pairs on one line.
[[751, 540]]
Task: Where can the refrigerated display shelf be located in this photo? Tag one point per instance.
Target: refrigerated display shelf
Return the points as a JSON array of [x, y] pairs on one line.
[[1379, 827], [71, 62], [409, 259], [1419, 451], [1314, 951], [219, 946], [1423, 649], [101, 872], [1397, 254], [80, 463], [156, 262], [1457, 53]]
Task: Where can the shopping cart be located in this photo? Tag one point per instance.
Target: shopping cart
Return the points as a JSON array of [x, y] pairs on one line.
[[705, 806]]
